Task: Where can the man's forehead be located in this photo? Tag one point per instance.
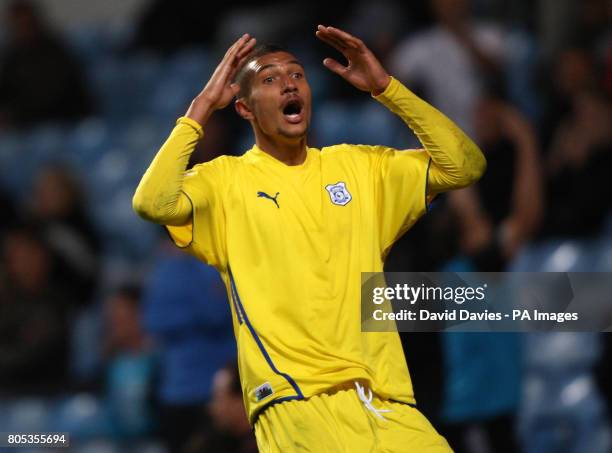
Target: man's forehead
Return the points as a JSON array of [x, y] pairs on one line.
[[272, 59]]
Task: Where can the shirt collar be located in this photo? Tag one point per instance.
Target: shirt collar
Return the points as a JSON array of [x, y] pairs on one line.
[[261, 155]]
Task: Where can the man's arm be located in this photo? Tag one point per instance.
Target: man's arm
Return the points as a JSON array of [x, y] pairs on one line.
[[455, 160], [478, 231], [159, 197]]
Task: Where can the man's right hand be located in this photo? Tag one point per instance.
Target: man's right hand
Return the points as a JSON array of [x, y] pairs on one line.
[[219, 91]]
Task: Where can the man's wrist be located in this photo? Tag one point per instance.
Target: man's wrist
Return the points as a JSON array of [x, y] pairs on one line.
[[200, 110], [381, 86]]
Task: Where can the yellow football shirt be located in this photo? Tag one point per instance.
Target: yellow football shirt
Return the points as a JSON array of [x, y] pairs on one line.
[[290, 243]]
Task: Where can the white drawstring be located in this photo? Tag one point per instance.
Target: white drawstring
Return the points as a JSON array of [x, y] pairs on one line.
[[367, 401]]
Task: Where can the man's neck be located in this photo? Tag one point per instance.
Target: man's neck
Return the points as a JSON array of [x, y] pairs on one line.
[[287, 151]]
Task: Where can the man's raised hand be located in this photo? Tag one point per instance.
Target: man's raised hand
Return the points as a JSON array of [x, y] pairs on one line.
[[219, 91], [363, 71]]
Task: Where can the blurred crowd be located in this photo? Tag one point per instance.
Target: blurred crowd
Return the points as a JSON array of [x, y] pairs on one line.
[[109, 332]]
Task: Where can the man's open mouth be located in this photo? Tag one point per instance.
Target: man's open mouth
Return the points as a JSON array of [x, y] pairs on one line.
[[293, 111]]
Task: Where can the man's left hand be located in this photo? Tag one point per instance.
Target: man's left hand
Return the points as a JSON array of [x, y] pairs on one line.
[[363, 71]]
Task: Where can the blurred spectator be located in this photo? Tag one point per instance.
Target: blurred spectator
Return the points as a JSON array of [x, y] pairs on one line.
[[227, 409], [58, 209], [554, 16], [584, 23], [34, 332], [231, 431], [124, 411], [165, 28], [39, 79], [379, 24], [290, 19], [501, 212], [592, 28], [449, 61], [578, 165], [482, 391], [130, 370], [496, 217], [427, 246], [574, 71], [185, 309]]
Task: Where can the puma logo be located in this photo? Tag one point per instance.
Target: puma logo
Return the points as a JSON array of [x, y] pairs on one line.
[[265, 195]]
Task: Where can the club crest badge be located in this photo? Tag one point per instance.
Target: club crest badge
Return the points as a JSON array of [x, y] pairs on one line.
[[338, 193]]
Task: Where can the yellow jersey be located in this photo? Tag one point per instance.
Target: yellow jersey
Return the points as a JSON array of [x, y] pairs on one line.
[[291, 242]]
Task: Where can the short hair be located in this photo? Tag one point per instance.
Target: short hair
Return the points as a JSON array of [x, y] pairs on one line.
[[243, 76]]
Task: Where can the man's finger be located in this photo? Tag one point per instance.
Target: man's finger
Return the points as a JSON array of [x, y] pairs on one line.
[[230, 63], [345, 37], [323, 32], [239, 45], [241, 58], [233, 49], [339, 46], [227, 68], [334, 66], [246, 48]]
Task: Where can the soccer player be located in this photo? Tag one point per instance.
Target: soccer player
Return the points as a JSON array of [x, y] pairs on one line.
[[290, 228]]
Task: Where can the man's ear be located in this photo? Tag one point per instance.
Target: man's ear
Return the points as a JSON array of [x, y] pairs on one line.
[[243, 109]]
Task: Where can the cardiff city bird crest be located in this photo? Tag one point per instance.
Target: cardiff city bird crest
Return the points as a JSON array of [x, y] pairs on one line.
[[338, 193]]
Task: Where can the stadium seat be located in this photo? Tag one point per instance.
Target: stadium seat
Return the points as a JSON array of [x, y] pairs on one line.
[[557, 256], [12, 149], [87, 141], [604, 258], [88, 43], [194, 65], [331, 123]]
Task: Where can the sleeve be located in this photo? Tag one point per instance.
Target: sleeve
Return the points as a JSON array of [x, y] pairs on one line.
[[158, 197], [400, 191], [204, 235], [456, 161], [188, 203]]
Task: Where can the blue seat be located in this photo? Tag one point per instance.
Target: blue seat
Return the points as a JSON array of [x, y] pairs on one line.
[[372, 124], [362, 122], [172, 96], [88, 43], [29, 414], [140, 133], [557, 256], [604, 258], [124, 86], [105, 75], [110, 171], [88, 140], [193, 65], [331, 124], [12, 149], [122, 230]]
